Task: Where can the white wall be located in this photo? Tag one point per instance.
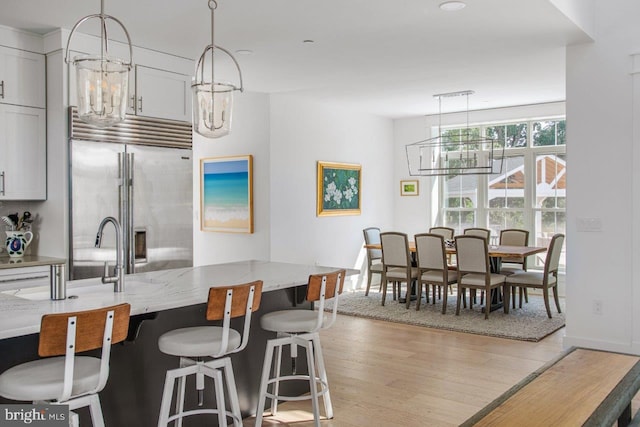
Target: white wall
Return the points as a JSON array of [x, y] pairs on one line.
[[602, 183], [304, 132], [249, 135]]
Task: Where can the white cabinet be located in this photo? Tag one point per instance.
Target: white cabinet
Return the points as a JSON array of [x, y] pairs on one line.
[[152, 93], [160, 93], [23, 151], [22, 78]]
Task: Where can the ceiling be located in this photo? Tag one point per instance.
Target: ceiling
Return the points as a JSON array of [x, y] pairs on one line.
[[381, 57]]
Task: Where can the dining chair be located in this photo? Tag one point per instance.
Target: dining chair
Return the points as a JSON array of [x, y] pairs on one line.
[[374, 256], [446, 232], [61, 377], [546, 279], [474, 272], [396, 264], [432, 266], [511, 265], [476, 231]]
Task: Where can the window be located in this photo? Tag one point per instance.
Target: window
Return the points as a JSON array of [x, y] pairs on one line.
[[529, 192]]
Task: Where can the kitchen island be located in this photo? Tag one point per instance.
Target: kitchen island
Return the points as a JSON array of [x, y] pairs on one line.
[[160, 301]]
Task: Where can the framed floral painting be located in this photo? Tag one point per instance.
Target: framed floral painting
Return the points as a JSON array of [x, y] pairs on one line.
[[339, 189], [408, 188]]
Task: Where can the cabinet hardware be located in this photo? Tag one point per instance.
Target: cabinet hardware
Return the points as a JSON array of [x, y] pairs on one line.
[[2, 188], [22, 279], [133, 103], [2, 87], [140, 102]]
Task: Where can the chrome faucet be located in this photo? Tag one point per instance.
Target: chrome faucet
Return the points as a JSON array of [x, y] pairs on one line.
[[118, 273]]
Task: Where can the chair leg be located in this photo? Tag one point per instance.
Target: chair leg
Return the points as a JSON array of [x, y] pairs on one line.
[[545, 293], [526, 296], [408, 294], [505, 290], [487, 305], [444, 299], [180, 397], [459, 297], [419, 292], [384, 291], [555, 297], [369, 274], [167, 394]]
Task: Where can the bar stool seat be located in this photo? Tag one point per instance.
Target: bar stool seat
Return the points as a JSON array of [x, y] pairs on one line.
[[292, 321], [299, 328], [61, 377], [198, 341], [44, 379], [194, 344]]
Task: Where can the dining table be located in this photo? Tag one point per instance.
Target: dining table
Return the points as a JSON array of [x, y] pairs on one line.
[[496, 254]]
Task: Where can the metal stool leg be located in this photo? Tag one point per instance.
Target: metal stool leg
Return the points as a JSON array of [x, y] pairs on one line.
[[219, 391], [264, 382], [276, 385], [312, 384], [322, 373], [233, 393]]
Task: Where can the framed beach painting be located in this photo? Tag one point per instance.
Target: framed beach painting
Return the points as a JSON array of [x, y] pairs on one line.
[[226, 200], [339, 189]]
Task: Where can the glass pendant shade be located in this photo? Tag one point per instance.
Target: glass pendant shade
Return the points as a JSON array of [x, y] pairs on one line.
[[212, 109], [102, 90], [102, 81]]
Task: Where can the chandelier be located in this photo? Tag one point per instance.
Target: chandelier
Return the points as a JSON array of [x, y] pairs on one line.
[[213, 101], [461, 154], [101, 80]]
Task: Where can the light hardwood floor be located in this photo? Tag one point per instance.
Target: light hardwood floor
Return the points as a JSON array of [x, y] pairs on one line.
[[390, 374]]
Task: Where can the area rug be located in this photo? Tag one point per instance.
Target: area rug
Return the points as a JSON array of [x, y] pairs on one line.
[[529, 323]]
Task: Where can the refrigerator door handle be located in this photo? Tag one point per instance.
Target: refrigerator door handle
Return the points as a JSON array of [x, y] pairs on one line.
[[130, 208]]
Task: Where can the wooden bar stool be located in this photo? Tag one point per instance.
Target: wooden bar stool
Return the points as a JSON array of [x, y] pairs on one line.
[[300, 328], [69, 379], [193, 344]]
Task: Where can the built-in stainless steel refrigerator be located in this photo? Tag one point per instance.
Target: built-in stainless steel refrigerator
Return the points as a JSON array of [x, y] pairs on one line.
[[147, 188]]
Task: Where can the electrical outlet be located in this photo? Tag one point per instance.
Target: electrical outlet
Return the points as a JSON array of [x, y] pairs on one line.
[[597, 307]]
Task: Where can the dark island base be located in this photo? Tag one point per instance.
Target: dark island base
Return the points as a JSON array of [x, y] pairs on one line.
[[137, 369]]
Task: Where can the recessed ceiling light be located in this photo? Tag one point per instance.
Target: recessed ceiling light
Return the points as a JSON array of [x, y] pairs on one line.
[[308, 41], [452, 6], [244, 52]]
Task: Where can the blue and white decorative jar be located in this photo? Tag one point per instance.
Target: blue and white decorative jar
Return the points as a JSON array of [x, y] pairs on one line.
[[17, 242]]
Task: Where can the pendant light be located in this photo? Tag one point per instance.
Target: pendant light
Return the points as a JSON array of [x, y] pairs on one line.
[[213, 101], [102, 80], [446, 155]]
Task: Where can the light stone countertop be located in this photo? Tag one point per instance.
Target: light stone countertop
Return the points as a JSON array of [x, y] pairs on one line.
[[148, 292], [28, 261]]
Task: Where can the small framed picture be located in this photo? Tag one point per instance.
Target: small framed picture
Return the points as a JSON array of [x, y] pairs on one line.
[[409, 188]]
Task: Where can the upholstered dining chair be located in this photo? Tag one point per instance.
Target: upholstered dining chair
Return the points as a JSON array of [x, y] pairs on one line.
[[474, 272], [61, 377], [446, 232], [476, 231], [514, 237], [374, 256], [432, 265], [396, 264], [546, 279]]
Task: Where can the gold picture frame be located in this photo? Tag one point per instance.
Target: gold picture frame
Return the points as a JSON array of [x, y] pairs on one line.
[[409, 187], [226, 194], [339, 189]]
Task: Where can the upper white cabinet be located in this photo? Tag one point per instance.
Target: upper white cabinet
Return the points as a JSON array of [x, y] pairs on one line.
[[22, 78], [23, 153], [160, 93]]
